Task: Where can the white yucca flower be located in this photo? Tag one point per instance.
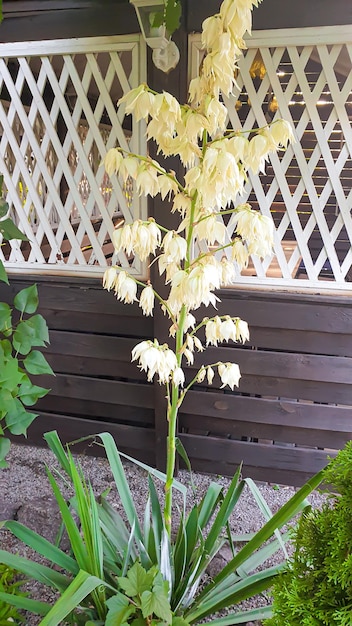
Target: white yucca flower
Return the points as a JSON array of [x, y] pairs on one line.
[[256, 229], [210, 375], [138, 101], [129, 167], [166, 109], [146, 300], [125, 288], [216, 113], [242, 330], [110, 278], [228, 272], [112, 161], [212, 28], [212, 229], [155, 359], [257, 155], [229, 374], [201, 374], [178, 377], [175, 247], [282, 133], [213, 331], [228, 329], [147, 180], [239, 253]]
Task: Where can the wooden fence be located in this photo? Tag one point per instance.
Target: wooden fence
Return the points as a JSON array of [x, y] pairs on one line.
[[292, 410]]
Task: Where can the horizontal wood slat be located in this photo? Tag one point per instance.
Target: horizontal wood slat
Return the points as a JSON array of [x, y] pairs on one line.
[[274, 460], [138, 442]]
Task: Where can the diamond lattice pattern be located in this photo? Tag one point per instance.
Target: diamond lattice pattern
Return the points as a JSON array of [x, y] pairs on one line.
[[58, 116], [308, 189]]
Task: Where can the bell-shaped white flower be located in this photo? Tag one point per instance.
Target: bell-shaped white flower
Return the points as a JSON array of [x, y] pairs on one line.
[[229, 374], [213, 331], [239, 253], [228, 329], [125, 288], [242, 330], [228, 272], [112, 161], [178, 377], [201, 374], [138, 101], [282, 133], [175, 247], [212, 28], [146, 300], [110, 278], [147, 182], [210, 375]]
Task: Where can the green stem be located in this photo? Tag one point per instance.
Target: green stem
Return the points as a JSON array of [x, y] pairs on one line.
[[176, 394]]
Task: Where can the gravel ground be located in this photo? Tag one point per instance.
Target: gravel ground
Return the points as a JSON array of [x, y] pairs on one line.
[[25, 484]]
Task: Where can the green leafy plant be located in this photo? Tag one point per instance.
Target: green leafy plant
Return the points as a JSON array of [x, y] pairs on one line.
[[122, 569], [316, 587], [11, 585], [19, 334], [18, 361], [170, 16]]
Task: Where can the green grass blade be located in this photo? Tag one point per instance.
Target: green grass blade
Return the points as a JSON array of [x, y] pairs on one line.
[[166, 564], [243, 589], [39, 572], [265, 509], [81, 587], [208, 503], [34, 606], [260, 556], [157, 518], [121, 481], [77, 544], [284, 515], [226, 508], [42, 546], [243, 617], [55, 445]]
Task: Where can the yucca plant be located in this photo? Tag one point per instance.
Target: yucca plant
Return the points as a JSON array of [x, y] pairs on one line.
[[122, 569], [10, 584]]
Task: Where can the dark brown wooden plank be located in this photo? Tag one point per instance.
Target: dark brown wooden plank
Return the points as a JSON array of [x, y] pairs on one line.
[[91, 345], [73, 20], [297, 341], [274, 14], [95, 390], [229, 408], [122, 325], [274, 476], [254, 454], [285, 365], [268, 433], [273, 312], [138, 442], [112, 413], [91, 367]]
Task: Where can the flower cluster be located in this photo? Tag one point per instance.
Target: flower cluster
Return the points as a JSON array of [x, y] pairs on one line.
[[158, 359], [220, 329], [217, 163]]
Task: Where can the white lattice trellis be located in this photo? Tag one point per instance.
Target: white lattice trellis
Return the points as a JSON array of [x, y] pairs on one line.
[[304, 76], [58, 118]]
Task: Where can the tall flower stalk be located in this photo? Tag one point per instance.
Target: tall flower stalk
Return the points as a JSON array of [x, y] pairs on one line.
[[199, 257]]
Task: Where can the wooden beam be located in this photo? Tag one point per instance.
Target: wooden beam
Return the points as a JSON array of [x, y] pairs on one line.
[[279, 13]]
